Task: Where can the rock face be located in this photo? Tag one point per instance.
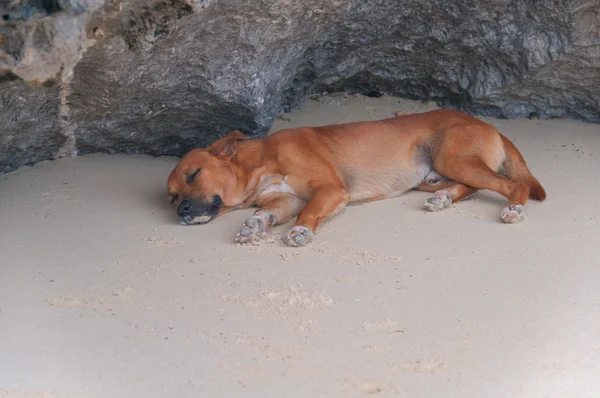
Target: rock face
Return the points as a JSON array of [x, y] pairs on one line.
[[161, 77], [29, 129]]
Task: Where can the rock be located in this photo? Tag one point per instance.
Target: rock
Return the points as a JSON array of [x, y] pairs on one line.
[[164, 76], [37, 54], [29, 130]]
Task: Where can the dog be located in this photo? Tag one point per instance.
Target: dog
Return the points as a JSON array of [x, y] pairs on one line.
[[314, 172]]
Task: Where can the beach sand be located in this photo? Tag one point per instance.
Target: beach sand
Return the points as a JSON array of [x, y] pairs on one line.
[[104, 294]]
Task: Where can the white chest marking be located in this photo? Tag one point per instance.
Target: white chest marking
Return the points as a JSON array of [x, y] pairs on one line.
[[277, 184]]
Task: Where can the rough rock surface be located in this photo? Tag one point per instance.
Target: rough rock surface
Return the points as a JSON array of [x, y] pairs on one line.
[[29, 129], [164, 76]]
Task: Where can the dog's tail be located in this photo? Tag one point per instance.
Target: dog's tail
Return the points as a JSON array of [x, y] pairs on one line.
[[516, 170]]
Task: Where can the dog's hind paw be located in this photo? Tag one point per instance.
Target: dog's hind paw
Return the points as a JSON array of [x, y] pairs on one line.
[[439, 201], [512, 214], [298, 236], [254, 229]]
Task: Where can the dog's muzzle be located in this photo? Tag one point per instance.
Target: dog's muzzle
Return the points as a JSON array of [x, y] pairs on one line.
[[194, 212]]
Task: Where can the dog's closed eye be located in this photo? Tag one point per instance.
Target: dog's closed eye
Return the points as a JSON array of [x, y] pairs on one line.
[[191, 177]]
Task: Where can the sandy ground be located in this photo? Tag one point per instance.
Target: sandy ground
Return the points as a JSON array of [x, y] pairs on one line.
[[104, 294]]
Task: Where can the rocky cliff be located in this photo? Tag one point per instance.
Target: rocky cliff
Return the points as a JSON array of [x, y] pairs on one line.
[[162, 77]]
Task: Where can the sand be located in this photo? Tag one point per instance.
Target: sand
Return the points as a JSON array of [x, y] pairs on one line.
[[104, 294]]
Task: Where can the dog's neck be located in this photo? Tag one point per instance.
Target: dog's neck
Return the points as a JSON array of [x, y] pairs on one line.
[[250, 164], [249, 156]]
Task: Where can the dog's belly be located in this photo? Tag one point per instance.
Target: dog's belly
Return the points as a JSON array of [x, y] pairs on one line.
[[365, 186]]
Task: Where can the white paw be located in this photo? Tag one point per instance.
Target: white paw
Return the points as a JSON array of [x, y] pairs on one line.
[[254, 229], [298, 236], [439, 201], [512, 214]]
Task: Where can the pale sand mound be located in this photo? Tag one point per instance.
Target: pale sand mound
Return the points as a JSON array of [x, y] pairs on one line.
[[104, 294]]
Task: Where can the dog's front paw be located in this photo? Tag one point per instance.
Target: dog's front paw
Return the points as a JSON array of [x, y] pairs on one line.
[[439, 201], [298, 236], [512, 214], [254, 229]]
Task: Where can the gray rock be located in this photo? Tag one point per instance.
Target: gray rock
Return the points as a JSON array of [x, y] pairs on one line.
[[29, 130], [164, 76]]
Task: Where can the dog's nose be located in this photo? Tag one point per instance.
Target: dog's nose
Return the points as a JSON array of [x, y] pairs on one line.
[[184, 208]]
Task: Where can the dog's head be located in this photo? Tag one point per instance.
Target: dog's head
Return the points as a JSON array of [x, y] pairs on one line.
[[204, 183]]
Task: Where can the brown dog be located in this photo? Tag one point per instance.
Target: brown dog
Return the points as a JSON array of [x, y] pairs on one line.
[[314, 172]]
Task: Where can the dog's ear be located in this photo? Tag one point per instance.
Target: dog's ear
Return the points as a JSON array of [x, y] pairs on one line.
[[226, 147]]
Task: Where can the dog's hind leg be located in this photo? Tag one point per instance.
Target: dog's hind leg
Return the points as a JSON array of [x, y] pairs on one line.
[[445, 193], [473, 172], [472, 155], [274, 208]]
